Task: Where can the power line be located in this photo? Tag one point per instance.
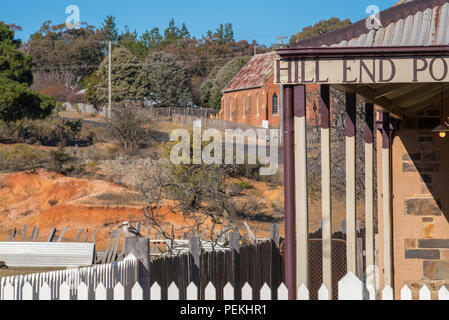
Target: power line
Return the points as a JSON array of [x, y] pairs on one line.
[[281, 39], [141, 64]]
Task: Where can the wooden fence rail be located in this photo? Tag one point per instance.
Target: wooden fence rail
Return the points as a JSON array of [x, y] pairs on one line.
[[210, 123], [255, 264]]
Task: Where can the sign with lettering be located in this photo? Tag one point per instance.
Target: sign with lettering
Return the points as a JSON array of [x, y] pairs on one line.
[[362, 70]]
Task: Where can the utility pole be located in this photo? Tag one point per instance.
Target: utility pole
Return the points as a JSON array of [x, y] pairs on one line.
[[281, 40], [110, 82], [255, 49]]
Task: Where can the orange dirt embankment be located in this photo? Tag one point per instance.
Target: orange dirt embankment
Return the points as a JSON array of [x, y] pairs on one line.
[[48, 200]]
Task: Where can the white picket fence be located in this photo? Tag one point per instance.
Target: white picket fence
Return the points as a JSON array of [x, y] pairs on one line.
[[103, 283], [349, 288], [83, 283]]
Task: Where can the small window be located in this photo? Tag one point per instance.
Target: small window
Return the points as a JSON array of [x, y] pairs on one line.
[[230, 109], [244, 107], [275, 104], [258, 105]]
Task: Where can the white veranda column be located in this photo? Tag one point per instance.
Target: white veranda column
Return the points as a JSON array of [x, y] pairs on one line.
[[326, 187], [351, 233], [369, 195], [302, 228]]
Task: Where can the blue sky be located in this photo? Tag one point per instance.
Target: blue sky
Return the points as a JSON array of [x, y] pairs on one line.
[[260, 20]]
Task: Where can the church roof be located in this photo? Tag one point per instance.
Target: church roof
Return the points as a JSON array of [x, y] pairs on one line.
[[254, 74]]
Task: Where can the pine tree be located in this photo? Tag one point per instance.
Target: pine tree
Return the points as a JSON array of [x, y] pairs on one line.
[[17, 100], [229, 33], [109, 28], [129, 80], [169, 84]]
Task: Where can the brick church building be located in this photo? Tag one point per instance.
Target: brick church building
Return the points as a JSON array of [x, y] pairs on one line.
[[252, 97]]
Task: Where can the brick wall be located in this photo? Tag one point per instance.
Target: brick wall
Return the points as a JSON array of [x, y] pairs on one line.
[[265, 94], [253, 101]]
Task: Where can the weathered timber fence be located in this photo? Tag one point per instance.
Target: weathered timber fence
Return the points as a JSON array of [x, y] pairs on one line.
[[255, 264], [193, 112], [210, 123], [54, 235]]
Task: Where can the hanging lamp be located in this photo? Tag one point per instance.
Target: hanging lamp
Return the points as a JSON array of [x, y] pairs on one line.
[[443, 127]]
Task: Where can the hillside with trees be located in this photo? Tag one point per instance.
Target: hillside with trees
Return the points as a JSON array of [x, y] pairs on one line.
[[320, 28], [218, 79], [76, 165], [66, 61]]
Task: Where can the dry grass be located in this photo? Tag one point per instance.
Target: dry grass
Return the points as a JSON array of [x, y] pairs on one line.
[[81, 115], [25, 270]]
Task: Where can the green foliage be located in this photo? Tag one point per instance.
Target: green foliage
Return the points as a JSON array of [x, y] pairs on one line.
[[14, 65], [21, 157], [109, 29], [173, 33], [69, 129], [246, 185], [60, 158], [322, 27], [17, 100], [224, 33], [49, 130], [170, 85], [90, 83], [211, 89], [152, 39], [55, 45], [6, 33], [192, 185], [130, 81], [130, 40], [206, 87]]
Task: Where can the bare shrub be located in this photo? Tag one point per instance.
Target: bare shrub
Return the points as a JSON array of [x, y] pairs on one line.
[[198, 192], [235, 189], [129, 126]]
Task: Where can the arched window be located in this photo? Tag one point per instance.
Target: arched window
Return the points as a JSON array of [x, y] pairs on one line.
[[244, 107], [258, 105], [230, 109], [275, 104]]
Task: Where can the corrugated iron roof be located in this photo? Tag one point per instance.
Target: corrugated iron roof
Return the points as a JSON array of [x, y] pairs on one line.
[[47, 254], [412, 23], [254, 73]]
